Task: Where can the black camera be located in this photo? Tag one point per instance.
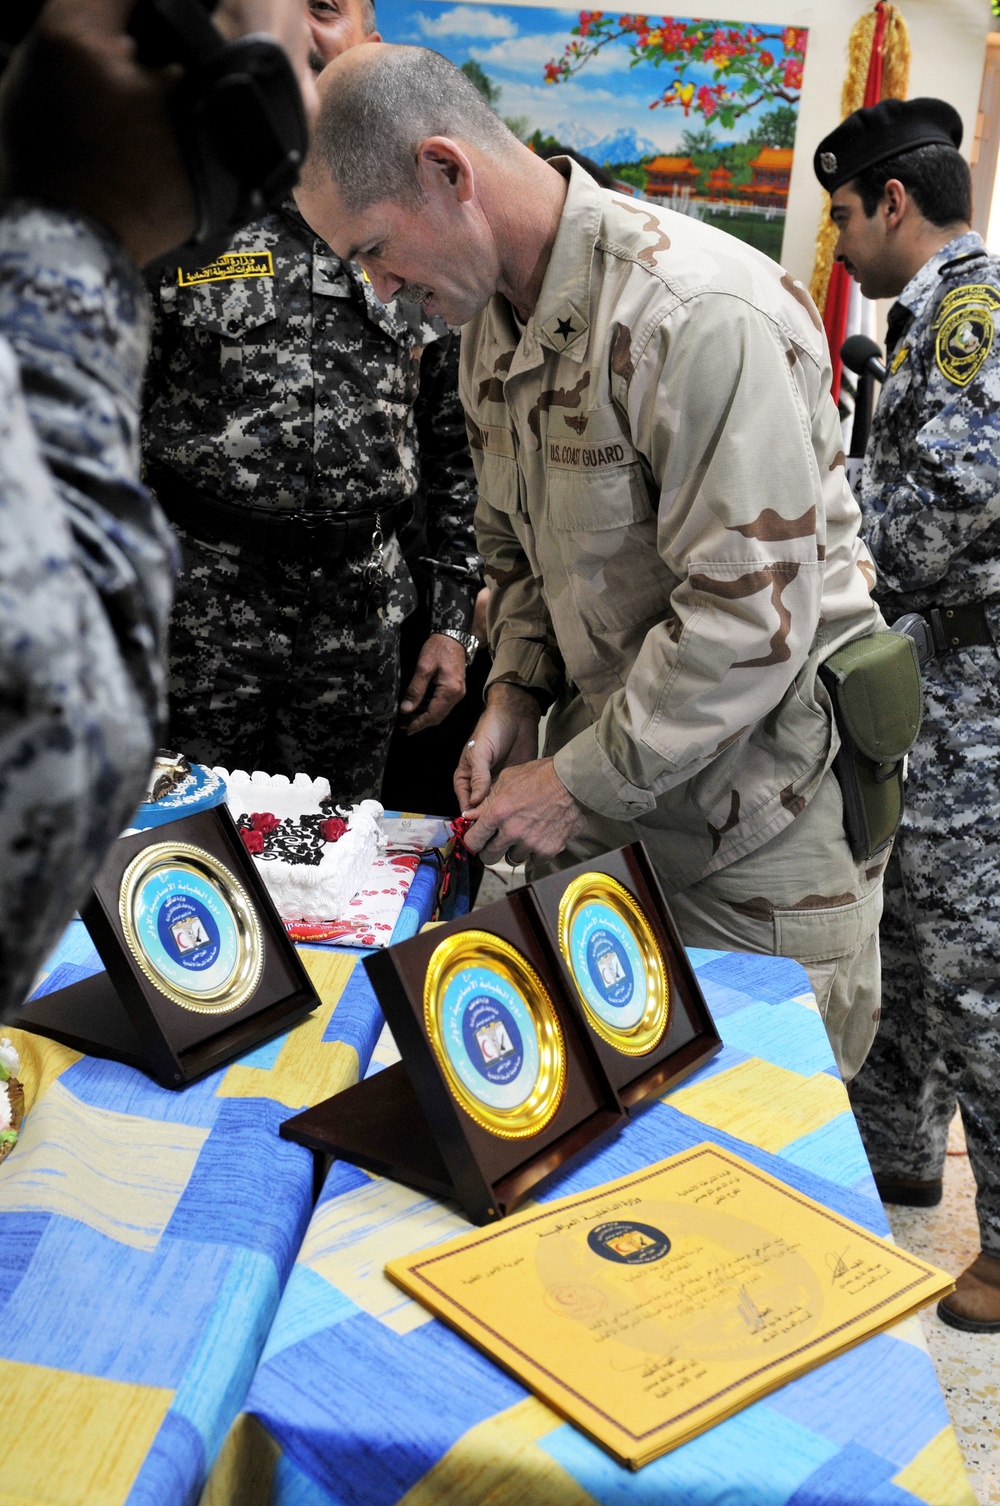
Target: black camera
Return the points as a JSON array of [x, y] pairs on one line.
[[237, 111]]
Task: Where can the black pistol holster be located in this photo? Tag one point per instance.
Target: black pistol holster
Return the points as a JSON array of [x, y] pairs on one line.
[[874, 684]]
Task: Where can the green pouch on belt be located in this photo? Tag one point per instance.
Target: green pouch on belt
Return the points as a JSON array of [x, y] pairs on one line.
[[874, 684]]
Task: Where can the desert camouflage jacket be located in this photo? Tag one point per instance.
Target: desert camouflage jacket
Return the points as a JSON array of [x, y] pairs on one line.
[[665, 519], [931, 482], [277, 378], [86, 566]]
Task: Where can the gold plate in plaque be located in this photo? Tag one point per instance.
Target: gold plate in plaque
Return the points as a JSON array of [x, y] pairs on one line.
[[616, 963], [496, 1033], [191, 927]]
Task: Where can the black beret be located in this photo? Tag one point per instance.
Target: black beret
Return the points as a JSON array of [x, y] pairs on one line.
[[883, 131]]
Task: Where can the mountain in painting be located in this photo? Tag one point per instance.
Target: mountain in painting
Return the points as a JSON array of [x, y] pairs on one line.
[[621, 146]]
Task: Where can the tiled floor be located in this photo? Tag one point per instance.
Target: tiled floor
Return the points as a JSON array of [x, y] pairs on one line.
[[968, 1364], [497, 882]]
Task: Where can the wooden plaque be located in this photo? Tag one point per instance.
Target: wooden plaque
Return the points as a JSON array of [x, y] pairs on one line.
[[497, 1087], [624, 967], [199, 968]]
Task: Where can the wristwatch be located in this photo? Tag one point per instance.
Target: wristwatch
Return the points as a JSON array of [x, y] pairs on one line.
[[469, 642]]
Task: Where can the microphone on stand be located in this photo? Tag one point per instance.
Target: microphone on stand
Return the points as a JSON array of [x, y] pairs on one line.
[[862, 356]]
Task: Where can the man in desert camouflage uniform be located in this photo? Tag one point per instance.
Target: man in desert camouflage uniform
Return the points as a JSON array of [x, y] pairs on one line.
[[290, 418], [931, 499], [671, 543]]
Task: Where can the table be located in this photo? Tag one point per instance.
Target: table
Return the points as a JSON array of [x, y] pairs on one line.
[[362, 1399], [145, 1239]]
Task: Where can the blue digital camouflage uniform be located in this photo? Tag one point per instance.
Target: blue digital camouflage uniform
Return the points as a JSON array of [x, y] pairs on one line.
[[931, 497], [85, 574], [278, 381]]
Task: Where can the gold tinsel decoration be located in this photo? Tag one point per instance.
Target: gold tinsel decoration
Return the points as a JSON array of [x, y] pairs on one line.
[[895, 83]]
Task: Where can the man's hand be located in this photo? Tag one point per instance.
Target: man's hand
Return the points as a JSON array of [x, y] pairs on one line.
[[528, 813], [506, 734], [440, 670], [84, 126]]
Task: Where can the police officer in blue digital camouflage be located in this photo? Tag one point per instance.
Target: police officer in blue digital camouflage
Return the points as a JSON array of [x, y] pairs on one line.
[[901, 200], [293, 422], [92, 187]]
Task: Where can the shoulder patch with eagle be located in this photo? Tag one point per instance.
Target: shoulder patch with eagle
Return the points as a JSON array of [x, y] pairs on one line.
[[964, 325]]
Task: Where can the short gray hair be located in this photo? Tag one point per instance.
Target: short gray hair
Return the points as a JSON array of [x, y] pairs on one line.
[[371, 125]]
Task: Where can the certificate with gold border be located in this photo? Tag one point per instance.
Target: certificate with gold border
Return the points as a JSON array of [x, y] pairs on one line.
[[648, 1309], [495, 1033], [615, 962], [191, 927]]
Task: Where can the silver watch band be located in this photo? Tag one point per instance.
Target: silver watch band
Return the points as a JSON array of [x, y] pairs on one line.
[[469, 642]]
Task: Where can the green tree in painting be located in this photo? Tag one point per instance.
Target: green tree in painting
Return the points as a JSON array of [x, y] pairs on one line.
[[700, 140], [776, 128], [631, 172], [491, 91], [540, 142], [478, 76]]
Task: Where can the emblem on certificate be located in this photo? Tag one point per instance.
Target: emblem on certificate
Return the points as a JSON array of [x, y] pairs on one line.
[[198, 966], [525, 1030]]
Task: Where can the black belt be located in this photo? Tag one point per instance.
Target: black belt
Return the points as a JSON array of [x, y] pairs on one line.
[[958, 626], [297, 535]]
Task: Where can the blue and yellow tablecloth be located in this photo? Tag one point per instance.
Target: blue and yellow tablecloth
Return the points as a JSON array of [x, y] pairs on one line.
[[145, 1239], [362, 1399]]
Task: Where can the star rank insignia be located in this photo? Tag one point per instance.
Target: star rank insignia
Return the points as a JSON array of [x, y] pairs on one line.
[[565, 328]]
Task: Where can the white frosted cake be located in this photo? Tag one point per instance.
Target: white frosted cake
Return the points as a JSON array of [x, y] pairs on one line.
[[312, 857]]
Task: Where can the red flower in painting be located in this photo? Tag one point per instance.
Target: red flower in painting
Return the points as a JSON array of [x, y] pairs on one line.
[[708, 101], [792, 76], [749, 58]]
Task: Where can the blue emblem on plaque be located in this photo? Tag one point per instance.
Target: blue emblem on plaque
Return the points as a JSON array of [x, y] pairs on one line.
[[490, 1037], [628, 1243], [608, 966], [187, 930]]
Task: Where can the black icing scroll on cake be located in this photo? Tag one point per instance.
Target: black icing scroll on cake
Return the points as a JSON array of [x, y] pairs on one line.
[[296, 839]]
